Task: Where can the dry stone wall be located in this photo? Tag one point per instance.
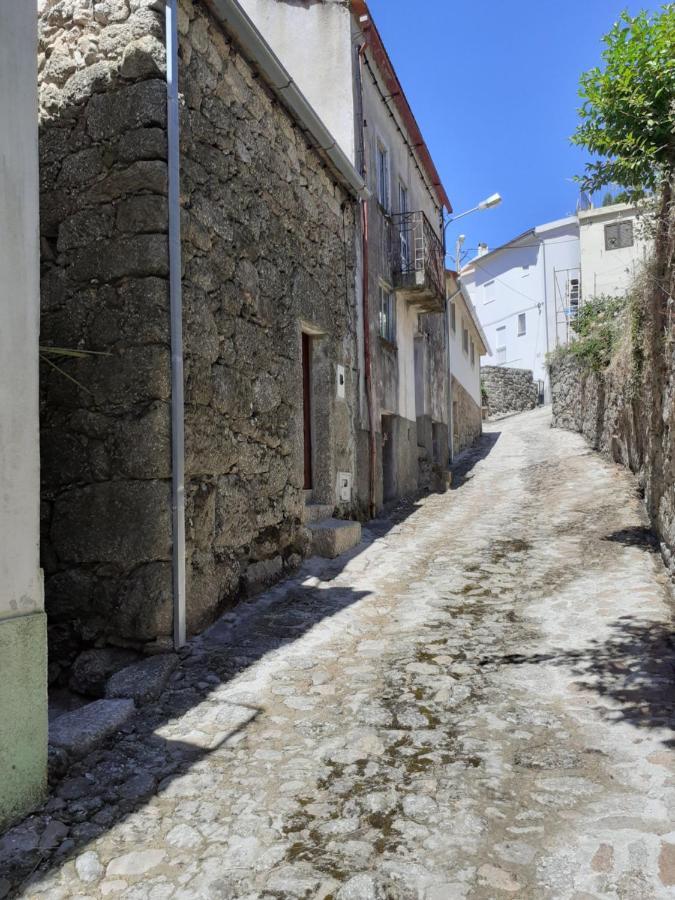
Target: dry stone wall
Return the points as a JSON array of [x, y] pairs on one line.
[[268, 247], [508, 390], [267, 244], [627, 411], [467, 418]]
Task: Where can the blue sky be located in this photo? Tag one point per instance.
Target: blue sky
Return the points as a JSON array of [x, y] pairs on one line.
[[493, 85]]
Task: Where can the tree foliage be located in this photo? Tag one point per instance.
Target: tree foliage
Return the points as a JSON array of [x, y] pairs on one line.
[[628, 110]]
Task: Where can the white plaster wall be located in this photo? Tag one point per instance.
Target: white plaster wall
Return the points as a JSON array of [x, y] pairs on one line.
[[313, 41], [460, 362], [610, 271], [523, 281], [20, 579], [406, 329]]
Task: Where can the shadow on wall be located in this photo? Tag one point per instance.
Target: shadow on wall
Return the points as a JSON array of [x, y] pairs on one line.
[[633, 669]]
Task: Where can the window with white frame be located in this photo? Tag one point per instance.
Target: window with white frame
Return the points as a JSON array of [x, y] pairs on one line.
[[489, 291], [573, 294], [522, 324], [382, 174], [404, 209], [465, 337], [387, 323], [453, 318], [500, 344]]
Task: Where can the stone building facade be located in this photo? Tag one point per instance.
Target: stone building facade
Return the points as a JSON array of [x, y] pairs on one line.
[[267, 236], [335, 53]]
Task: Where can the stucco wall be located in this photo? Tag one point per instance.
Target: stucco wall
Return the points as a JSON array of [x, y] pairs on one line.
[[313, 41], [460, 361], [23, 720], [610, 271]]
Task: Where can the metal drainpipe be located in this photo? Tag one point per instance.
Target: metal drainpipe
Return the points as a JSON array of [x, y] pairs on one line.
[[367, 360], [176, 314]]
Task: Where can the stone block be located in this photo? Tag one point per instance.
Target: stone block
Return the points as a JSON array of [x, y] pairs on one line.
[[81, 731], [92, 669], [142, 144], [333, 537], [261, 575], [137, 257], [122, 522], [144, 681], [143, 58], [114, 112], [143, 215]]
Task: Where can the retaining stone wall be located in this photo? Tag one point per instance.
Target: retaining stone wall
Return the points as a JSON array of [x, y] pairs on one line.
[[508, 390], [467, 418]]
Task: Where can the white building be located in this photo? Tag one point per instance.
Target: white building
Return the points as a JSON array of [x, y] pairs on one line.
[[23, 650], [526, 292], [613, 248]]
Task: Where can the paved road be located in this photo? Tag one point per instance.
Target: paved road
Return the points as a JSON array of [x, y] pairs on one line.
[[475, 706]]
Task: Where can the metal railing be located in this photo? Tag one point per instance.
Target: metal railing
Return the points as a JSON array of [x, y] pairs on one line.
[[416, 254]]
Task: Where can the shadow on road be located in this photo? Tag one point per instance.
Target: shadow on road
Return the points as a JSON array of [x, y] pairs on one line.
[[633, 669], [635, 536], [464, 464]]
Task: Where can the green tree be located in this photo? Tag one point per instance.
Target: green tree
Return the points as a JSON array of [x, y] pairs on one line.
[[628, 110]]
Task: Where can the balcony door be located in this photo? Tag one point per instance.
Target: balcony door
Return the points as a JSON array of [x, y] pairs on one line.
[[404, 235], [307, 408]]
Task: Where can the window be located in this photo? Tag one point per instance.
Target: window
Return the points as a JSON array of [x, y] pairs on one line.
[[618, 235], [573, 294], [473, 354], [488, 291], [453, 318], [387, 315], [500, 344], [522, 324], [465, 338], [382, 173]]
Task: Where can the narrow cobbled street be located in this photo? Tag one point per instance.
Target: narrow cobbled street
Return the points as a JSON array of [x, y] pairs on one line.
[[476, 705]]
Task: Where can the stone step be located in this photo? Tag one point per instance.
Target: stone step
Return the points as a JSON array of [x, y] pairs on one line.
[[315, 512], [308, 495], [332, 537]]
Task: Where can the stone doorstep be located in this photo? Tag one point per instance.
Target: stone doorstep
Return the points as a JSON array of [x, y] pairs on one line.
[[315, 512], [332, 537], [78, 732]]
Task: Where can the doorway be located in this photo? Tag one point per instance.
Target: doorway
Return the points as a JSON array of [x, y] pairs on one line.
[[307, 408], [388, 460]]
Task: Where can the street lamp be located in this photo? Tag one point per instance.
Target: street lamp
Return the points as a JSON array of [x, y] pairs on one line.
[[488, 203]]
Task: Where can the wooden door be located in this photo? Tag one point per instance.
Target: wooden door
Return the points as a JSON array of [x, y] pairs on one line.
[[307, 407]]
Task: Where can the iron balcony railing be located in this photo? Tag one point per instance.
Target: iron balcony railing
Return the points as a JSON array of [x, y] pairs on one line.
[[417, 256]]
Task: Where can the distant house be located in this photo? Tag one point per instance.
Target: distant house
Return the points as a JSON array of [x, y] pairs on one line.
[[467, 344], [613, 247], [526, 293]]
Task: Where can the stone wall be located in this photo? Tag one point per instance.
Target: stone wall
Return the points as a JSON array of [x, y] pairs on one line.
[[467, 418], [508, 390], [106, 526], [627, 410], [268, 250], [267, 244]]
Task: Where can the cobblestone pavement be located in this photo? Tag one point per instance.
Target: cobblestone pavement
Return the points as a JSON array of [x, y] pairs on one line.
[[475, 706]]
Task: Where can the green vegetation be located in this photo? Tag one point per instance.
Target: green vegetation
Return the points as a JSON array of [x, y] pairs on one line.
[[628, 110], [598, 329]]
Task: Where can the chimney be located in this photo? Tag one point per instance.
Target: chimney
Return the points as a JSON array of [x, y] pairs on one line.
[[482, 249]]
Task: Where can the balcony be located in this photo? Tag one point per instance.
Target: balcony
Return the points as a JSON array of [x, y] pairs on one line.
[[417, 261]]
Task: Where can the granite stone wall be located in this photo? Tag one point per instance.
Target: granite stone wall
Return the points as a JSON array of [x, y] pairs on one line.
[[268, 251], [508, 390], [467, 421], [267, 246]]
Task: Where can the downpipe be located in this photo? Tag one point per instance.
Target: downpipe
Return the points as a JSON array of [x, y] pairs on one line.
[[176, 316], [367, 358]]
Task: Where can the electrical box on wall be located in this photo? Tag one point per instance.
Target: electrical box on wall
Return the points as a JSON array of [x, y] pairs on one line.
[[344, 486], [341, 382]]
